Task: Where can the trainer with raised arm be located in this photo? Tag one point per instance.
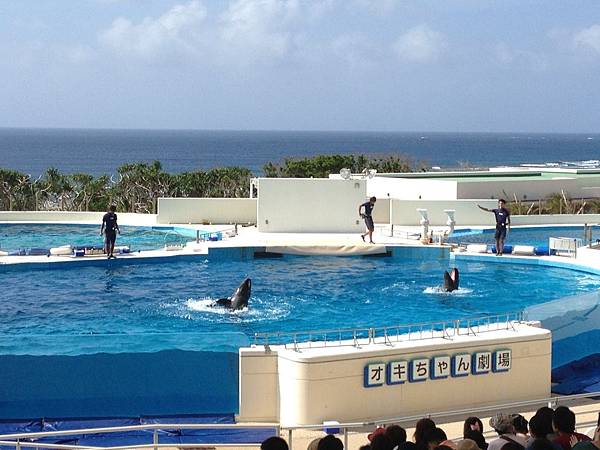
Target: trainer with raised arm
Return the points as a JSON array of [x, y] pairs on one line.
[[110, 228], [368, 206], [502, 224]]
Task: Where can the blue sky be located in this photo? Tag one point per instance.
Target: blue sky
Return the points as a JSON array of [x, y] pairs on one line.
[[392, 65]]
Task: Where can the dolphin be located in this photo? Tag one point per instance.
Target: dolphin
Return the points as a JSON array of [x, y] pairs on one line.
[[240, 297], [451, 280]]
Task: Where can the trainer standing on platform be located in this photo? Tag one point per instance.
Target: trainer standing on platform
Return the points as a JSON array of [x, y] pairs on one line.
[[502, 222], [110, 228], [368, 218]]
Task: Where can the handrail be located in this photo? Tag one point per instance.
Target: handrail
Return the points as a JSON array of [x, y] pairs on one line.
[[150, 426], [16, 439], [394, 333]]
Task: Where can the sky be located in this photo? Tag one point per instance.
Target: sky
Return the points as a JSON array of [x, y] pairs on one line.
[[348, 65]]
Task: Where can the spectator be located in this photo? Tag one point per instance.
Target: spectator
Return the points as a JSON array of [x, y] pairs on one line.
[[314, 444], [274, 443], [397, 435], [376, 432], [443, 447], [545, 426], [542, 444], [467, 444], [503, 424], [381, 442], [538, 430], [520, 423], [563, 421], [594, 444], [330, 442], [473, 430], [408, 445], [434, 437], [512, 446], [422, 426]]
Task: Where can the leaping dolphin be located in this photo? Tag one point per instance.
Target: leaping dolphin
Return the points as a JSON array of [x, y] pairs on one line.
[[451, 280], [240, 297]]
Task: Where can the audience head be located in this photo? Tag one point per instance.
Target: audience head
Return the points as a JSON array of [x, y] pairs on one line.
[[381, 442], [421, 428], [520, 424], [542, 423], [477, 437], [502, 423], [365, 447], [376, 432], [563, 420], [472, 424], [397, 434], [434, 437], [443, 447], [330, 442], [314, 444], [274, 443], [467, 444]]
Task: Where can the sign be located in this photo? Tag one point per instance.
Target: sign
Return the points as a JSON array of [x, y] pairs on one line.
[[437, 367]]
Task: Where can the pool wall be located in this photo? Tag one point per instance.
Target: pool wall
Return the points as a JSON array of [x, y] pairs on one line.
[[167, 382]]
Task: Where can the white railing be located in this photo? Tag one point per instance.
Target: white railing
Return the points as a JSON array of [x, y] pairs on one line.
[[389, 335], [27, 440]]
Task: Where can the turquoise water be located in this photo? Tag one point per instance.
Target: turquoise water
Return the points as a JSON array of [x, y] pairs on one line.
[[17, 236], [141, 308], [523, 236]]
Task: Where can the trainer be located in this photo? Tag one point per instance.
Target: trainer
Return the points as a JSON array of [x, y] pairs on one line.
[[502, 222], [368, 206], [110, 228]]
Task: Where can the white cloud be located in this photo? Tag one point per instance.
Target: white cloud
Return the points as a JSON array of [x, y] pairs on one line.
[[176, 31], [588, 38], [420, 44], [254, 29]]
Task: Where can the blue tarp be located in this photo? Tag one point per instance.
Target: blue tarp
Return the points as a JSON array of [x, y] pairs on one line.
[[166, 435], [577, 377]]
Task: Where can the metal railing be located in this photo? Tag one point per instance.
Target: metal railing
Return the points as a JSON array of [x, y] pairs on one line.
[[389, 335], [28, 440]]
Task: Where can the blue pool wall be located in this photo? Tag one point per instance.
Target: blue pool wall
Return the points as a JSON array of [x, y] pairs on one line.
[[170, 382]]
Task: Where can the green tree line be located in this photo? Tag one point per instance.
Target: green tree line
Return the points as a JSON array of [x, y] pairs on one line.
[[136, 186]]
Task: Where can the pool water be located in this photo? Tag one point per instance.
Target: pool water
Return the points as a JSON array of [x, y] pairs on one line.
[[155, 307], [537, 236], [20, 236]]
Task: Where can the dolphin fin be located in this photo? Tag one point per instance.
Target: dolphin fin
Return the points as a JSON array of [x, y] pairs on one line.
[[226, 302], [448, 283]]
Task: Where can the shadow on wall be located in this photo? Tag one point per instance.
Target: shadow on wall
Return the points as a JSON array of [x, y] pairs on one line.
[[575, 325]]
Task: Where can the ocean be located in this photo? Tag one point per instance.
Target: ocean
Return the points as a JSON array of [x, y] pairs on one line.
[[97, 152]]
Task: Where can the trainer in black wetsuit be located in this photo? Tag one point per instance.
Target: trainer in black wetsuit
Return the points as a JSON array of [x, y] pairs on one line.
[[110, 228], [368, 206], [502, 224]]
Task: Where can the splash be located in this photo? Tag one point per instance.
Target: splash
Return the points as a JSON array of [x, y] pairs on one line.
[[439, 290]]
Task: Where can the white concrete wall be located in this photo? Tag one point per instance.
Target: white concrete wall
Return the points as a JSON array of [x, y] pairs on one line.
[[314, 205], [404, 212], [76, 217], [328, 384], [525, 189], [206, 210], [412, 189]]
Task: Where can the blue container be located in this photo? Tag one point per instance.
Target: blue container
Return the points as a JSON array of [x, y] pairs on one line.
[[79, 252], [541, 250], [505, 249]]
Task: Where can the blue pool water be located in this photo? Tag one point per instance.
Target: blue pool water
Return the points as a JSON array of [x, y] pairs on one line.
[[167, 306], [17, 236], [522, 236]]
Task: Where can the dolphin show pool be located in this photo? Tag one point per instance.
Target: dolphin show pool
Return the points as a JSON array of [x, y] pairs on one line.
[[131, 322]]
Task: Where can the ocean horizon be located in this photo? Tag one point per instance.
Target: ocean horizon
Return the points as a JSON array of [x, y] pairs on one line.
[[101, 151]]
